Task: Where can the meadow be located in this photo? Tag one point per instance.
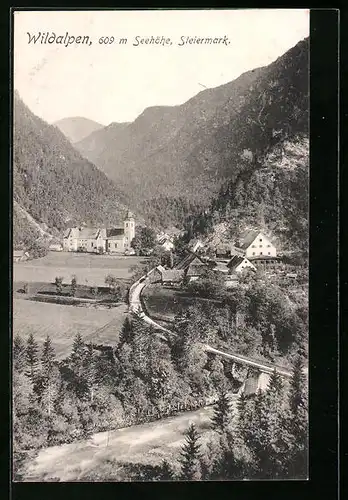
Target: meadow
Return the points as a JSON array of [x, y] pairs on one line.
[[95, 323], [62, 323], [89, 269]]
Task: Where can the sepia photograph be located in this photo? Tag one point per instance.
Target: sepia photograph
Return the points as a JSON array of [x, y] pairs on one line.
[[160, 233]]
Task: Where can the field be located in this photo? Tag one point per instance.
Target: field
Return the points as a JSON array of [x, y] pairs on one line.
[[89, 269], [62, 322]]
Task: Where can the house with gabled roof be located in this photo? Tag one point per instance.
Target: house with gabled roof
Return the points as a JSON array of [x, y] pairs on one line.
[[256, 245], [196, 268], [172, 276], [166, 242], [193, 265], [195, 245], [237, 264]]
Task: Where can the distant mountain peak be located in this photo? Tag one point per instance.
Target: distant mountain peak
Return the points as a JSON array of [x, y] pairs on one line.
[[76, 128]]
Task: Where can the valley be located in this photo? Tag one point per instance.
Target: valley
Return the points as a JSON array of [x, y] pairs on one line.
[[160, 286]]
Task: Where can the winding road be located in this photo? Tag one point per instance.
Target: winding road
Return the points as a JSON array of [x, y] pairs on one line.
[[136, 307]]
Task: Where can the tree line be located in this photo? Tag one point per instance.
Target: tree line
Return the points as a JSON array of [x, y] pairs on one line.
[[265, 436], [100, 388]]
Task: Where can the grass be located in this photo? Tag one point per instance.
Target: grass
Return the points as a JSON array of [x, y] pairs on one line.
[[63, 322], [89, 269]]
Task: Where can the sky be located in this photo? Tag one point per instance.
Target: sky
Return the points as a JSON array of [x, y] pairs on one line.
[[116, 82]]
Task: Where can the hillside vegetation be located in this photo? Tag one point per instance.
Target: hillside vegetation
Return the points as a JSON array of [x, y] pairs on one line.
[[219, 137], [53, 182], [93, 144]]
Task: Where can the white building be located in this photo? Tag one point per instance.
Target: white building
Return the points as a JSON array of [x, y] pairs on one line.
[[237, 264], [165, 241], [256, 245], [100, 240]]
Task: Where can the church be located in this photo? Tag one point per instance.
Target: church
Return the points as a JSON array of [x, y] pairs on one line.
[[115, 240]]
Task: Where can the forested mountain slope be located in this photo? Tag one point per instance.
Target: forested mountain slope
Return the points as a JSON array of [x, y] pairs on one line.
[[190, 150], [53, 182], [150, 156], [93, 144]]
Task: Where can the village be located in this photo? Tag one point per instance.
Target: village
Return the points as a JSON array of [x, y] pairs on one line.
[[251, 252]]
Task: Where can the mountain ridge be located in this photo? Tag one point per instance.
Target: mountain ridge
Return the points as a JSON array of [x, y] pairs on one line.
[[52, 181], [190, 149], [76, 128]]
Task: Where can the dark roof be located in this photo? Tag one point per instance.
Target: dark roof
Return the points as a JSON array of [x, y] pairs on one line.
[[184, 264], [247, 238], [88, 232], [115, 233], [173, 275], [196, 268], [235, 261]]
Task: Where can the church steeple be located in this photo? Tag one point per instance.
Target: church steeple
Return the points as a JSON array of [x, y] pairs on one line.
[[129, 229]]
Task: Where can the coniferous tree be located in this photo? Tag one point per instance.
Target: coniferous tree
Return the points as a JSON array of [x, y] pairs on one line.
[[297, 422], [47, 357], [19, 354], [77, 365], [276, 439], [222, 413], [78, 354], [208, 461], [90, 371], [190, 456], [264, 433], [242, 404], [166, 471], [256, 431], [127, 333], [48, 386], [32, 357], [227, 466]]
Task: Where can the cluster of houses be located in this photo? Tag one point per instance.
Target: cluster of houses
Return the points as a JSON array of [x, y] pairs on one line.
[[253, 250], [166, 239]]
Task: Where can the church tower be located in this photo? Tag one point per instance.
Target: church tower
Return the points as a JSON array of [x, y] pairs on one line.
[[129, 230]]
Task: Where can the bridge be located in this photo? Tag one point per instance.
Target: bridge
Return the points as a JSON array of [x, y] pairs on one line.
[[258, 373]]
